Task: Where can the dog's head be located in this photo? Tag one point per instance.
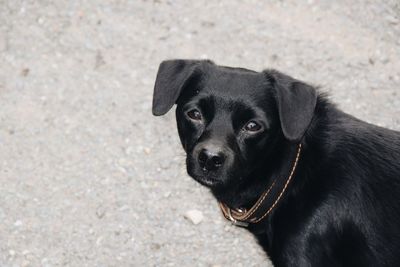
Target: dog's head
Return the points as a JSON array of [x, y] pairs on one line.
[[230, 120]]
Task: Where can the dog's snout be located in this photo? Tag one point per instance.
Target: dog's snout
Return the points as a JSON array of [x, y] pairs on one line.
[[211, 159]]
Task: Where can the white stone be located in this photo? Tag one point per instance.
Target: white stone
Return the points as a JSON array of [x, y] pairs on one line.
[[195, 216]]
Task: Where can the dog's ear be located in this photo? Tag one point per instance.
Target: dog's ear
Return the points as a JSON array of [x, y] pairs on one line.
[[295, 102], [172, 77]]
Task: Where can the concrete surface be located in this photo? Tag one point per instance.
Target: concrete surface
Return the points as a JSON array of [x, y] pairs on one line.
[[89, 178]]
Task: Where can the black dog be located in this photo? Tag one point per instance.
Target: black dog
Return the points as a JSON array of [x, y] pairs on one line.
[[316, 186]]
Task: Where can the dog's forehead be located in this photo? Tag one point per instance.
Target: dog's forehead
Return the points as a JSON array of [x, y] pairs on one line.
[[235, 83]]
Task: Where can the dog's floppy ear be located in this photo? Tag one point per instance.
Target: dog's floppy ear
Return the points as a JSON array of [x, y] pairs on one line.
[[296, 104], [172, 77]]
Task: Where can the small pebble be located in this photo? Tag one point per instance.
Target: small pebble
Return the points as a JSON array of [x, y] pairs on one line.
[[99, 240], [100, 212], [25, 72], [195, 216]]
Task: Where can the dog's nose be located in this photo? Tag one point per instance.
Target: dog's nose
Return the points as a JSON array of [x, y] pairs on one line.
[[211, 160]]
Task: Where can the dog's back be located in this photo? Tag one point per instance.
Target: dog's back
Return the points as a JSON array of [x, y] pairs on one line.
[[350, 204], [368, 157]]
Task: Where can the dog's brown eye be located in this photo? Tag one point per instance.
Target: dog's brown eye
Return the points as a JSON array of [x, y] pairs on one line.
[[194, 114], [252, 126]]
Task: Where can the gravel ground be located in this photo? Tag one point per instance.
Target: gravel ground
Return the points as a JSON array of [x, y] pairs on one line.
[[90, 178]]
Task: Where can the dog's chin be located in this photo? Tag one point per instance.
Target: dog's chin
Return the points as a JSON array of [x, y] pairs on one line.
[[207, 179]]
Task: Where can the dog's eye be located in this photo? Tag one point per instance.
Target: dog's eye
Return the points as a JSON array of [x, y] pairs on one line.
[[194, 114], [252, 126]]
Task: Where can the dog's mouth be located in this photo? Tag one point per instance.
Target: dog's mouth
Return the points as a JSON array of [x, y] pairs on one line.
[[206, 179]]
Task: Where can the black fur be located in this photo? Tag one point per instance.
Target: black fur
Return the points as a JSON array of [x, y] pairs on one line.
[[342, 207]]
